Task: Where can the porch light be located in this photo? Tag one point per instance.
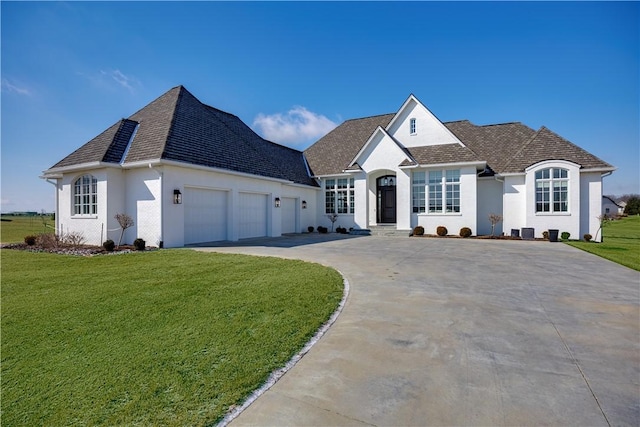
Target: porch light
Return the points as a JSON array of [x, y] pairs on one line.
[[304, 204], [177, 197], [277, 202], [390, 181]]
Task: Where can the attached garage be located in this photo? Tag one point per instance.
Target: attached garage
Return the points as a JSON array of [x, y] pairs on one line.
[[288, 207], [205, 215], [253, 215]]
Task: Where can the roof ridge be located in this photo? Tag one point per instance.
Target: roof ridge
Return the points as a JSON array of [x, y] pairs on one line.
[[572, 144], [369, 117], [174, 115], [525, 145]]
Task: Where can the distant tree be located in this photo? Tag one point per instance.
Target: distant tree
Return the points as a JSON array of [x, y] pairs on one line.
[[633, 206], [626, 197], [125, 222]]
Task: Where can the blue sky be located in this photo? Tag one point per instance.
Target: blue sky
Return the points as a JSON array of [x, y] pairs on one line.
[[292, 71]]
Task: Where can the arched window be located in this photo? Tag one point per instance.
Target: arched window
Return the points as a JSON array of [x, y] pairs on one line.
[[85, 196], [552, 190]]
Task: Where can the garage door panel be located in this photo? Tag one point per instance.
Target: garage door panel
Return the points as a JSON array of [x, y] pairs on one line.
[[205, 215], [253, 215], [288, 207]]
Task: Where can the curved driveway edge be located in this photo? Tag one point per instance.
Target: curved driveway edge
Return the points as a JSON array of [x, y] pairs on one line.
[[463, 332]]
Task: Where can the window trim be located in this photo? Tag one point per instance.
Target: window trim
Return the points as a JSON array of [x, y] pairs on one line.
[[550, 179], [339, 195], [412, 126], [84, 200], [443, 189]]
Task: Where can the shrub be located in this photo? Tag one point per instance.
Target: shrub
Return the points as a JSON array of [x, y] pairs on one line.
[[545, 235], [588, 237], [322, 229], [442, 230], [418, 230], [139, 244], [48, 240], [30, 240], [465, 232], [565, 235], [109, 245], [310, 229], [72, 238]]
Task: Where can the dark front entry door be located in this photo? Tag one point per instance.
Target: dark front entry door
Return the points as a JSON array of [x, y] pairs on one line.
[[386, 200]]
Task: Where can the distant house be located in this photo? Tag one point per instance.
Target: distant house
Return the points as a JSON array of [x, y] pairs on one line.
[[611, 207], [188, 173]]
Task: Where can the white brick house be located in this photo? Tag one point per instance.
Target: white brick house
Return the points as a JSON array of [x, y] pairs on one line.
[[403, 169]]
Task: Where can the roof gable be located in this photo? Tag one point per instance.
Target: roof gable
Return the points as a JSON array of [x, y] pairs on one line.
[[381, 151], [428, 129]]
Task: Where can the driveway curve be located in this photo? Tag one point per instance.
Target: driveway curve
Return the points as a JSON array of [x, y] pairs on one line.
[[462, 332]]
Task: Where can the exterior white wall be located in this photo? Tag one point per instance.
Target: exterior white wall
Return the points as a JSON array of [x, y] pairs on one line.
[[403, 200], [514, 203], [429, 130], [489, 202], [361, 217], [143, 204], [92, 227], [562, 221], [590, 205], [468, 208]]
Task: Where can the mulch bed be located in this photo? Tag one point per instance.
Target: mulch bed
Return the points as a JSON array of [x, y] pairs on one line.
[[82, 250]]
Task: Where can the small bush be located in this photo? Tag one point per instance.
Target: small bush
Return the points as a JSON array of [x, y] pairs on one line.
[[310, 229], [322, 229], [109, 245], [72, 239], [465, 232], [418, 230], [565, 235], [442, 230], [588, 237], [30, 240], [48, 240], [545, 235], [139, 244]]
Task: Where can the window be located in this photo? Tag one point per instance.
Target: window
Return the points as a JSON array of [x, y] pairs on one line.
[[85, 196], [418, 200], [339, 196], [412, 126], [439, 190], [552, 190]]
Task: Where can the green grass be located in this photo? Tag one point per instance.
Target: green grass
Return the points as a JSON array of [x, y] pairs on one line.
[[14, 229], [621, 242], [172, 337]]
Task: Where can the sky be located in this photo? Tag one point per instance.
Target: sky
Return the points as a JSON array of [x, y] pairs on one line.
[[294, 70]]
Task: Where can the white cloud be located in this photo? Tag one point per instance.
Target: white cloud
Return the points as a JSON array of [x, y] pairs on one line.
[[127, 82], [7, 86], [295, 127]]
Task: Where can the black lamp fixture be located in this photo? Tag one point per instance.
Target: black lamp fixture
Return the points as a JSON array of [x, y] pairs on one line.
[[304, 204], [277, 202], [177, 197]]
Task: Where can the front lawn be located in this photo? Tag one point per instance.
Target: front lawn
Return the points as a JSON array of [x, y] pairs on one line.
[[15, 228], [621, 242], [170, 337]]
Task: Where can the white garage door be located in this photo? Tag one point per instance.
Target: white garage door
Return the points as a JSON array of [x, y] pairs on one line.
[[253, 215], [288, 207], [205, 215]]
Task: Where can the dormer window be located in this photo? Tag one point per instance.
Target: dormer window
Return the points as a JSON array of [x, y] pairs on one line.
[[412, 126]]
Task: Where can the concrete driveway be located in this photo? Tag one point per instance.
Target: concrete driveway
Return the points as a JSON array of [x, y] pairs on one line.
[[462, 332]]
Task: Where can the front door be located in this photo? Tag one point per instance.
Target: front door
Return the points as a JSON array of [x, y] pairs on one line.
[[386, 189]]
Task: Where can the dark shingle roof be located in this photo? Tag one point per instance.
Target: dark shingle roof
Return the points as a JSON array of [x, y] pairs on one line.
[[109, 146], [177, 126], [441, 154], [507, 147], [334, 152], [547, 145]]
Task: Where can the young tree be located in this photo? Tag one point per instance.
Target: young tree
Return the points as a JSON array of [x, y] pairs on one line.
[[125, 222], [333, 217], [494, 219], [604, 220]]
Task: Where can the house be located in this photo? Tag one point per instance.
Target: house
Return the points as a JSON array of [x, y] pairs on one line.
[[612, 208], [188, 173]]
